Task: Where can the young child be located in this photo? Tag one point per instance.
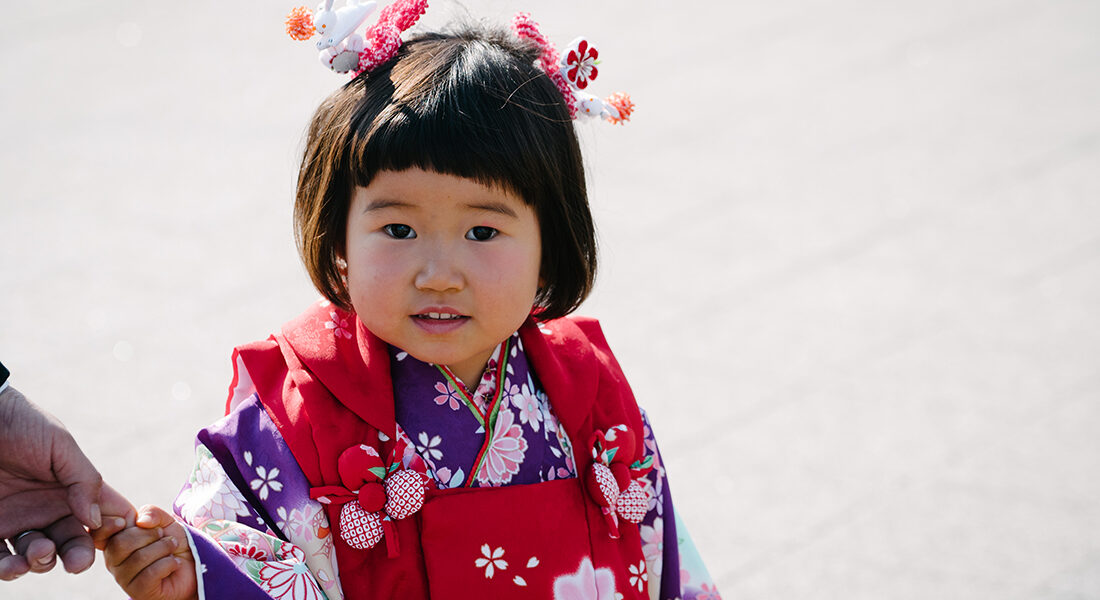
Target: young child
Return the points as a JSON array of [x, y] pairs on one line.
[[436, 426]]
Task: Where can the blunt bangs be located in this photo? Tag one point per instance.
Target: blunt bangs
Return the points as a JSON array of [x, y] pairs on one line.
[[464, 106]]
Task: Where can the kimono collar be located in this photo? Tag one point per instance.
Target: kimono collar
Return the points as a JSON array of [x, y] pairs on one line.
[[354, 364], [350, 361]]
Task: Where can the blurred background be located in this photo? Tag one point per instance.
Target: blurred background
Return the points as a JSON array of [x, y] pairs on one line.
[[851, 264]]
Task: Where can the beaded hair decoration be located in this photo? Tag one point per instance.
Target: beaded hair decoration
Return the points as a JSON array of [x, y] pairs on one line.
[[345, 51], [572, 72]]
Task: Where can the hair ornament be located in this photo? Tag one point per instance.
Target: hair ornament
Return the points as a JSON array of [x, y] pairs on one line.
[[343, 50], [572, 72]]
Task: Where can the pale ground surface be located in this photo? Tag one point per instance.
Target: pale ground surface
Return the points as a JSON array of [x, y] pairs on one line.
[[851, 264]]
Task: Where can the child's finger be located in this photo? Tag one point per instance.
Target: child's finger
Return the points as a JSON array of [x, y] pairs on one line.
[[111, 526], [150, 581], [74, 546], [141, 559], [150, 516], [126, 542], [39, 550]]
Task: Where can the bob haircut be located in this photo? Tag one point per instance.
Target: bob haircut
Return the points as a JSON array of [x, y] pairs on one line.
[[469, 103]]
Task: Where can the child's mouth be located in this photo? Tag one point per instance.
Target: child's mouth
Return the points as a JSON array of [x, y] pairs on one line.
[[439, 323], [434, 316]]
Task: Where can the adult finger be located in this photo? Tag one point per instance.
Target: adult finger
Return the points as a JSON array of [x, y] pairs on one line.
[[118, 514], [76, 472], [12, 566], [39, 551], [115, 504], [74, 544]]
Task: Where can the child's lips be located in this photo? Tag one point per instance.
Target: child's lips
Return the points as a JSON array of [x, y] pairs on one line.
[[439, 321]]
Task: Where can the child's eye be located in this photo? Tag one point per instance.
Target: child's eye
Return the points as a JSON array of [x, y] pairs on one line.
[[481, 234], [399, 231]]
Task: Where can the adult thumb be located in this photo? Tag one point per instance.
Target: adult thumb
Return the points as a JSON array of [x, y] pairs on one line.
[[74, 471]]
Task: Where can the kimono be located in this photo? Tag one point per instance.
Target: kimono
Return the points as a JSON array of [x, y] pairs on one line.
[[427, 486]]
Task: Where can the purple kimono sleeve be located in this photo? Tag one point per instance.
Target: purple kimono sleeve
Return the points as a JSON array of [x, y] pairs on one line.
[[254, 531], [217, 571], [670, 554]]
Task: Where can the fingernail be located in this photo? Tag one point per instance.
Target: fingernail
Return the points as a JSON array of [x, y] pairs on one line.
[[173, 542], [45, 560], [97, 517], [178, 561], [160, 532]]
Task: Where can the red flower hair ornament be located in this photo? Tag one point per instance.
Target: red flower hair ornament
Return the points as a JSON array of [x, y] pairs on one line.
[[343, 50], [373, 497], [572, 71]]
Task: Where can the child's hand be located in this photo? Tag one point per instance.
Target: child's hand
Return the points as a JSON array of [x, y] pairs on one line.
[[152, 560]]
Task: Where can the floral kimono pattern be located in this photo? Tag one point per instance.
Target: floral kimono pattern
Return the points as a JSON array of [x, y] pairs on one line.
[[256, 533]]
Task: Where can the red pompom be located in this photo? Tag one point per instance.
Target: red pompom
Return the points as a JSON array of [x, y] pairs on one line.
[[372, 497], [359, 465]]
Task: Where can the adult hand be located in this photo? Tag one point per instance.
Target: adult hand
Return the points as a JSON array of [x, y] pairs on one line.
[[46, 484]]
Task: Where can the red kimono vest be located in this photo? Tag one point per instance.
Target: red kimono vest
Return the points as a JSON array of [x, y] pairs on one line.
[[325, 382]]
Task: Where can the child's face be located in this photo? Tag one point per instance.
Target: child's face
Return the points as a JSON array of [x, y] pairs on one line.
[[441, 266]]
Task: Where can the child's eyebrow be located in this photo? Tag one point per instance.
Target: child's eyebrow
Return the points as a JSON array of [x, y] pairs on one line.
[[383, 203], [496, 207]]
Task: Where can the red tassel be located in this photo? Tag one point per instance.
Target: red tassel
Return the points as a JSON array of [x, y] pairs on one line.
[[612, 522]]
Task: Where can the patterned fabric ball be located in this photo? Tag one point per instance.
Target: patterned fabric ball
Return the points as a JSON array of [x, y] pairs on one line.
[[601, 485], [633, 503], [404, 493], [359, 528]]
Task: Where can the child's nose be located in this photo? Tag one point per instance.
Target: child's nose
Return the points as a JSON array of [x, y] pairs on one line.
[[440, 273]]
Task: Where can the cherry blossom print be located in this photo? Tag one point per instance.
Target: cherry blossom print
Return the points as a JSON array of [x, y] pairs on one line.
[[289, 580], [505, 452], [340, 326], [708, 592], [491, 560], [447, 395], [638, 575], [653, 544], [209, 493], [446, 479], [587, 583], [268, 480], [578, 63], [527, 404], [300, 523], [429, 448], [406, 449]]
